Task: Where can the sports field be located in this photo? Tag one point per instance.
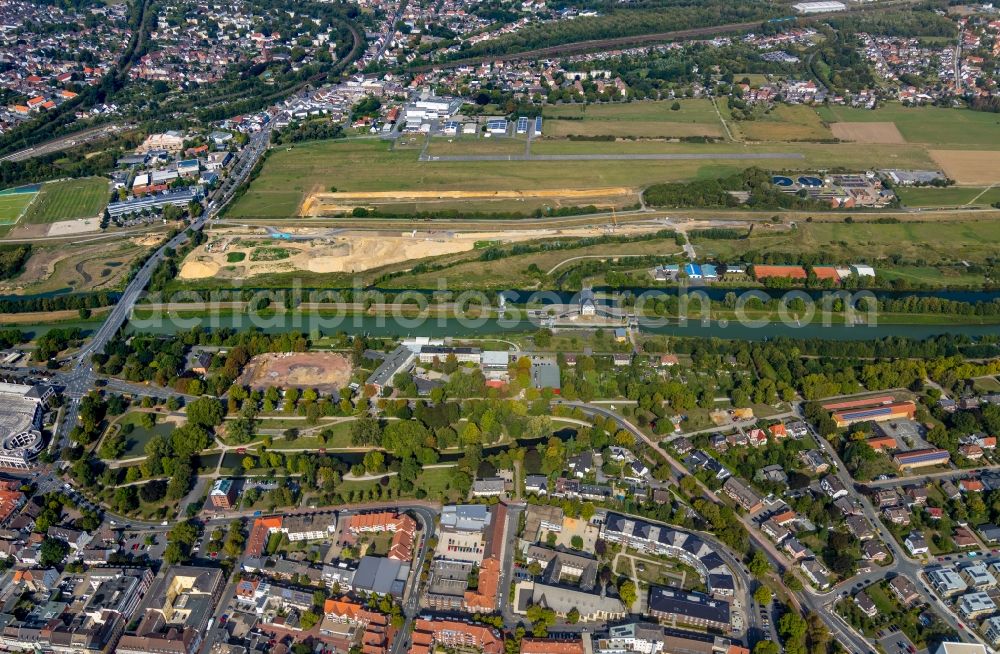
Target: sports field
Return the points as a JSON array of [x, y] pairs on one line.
[[68, 200], [646, 119], [13, 202]]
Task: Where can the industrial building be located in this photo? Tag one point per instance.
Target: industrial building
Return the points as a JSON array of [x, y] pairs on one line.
[[819, 7]]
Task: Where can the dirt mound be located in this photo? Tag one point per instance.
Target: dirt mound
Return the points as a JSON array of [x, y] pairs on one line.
[[198, 270]]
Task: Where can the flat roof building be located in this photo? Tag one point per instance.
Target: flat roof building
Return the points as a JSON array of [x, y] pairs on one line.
[[678, 606]]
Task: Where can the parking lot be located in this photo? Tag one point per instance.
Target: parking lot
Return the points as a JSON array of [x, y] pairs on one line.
[[894, 641]]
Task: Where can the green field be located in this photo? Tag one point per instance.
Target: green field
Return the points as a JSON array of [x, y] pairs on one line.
[[936, 126], [12, 205], [947, 197], [784, 123], [68, 200], [647, 119], [913, 241]]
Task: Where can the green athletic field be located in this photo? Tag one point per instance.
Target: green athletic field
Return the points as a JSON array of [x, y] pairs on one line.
[[68, 200], [13, 202]]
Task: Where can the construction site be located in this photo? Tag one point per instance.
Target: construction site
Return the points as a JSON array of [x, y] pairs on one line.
[[245, 252]]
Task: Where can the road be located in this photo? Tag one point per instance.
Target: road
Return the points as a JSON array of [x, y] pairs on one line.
[[79, 379]]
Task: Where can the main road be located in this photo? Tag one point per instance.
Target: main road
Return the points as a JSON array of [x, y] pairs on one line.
[[79, 379]]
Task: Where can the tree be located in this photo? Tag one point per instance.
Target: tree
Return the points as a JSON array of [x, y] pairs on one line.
[[766, 647], [759, 566], [374, 462], [52, 552], [762, 595], [577, 542], [627, 592], [791, 582], [206, 412], [573, 616]]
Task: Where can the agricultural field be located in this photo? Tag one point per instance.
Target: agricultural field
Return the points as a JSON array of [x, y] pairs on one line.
[[68, 200], [969, 166], [929, 125], [784, 123], [867, 132], [648, 119]]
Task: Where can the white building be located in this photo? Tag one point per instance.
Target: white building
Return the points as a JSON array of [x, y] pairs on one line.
[[21, 411], [946, 582], [973, 605], [819, 7]]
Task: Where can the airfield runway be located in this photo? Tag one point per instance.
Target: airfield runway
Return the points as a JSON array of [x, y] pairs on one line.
[[613, 157]]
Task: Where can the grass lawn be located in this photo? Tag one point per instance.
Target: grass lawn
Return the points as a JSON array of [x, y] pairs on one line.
[[947, 197], [235, 257], [475, 145], [841, 241], [647, 119], [12, 205], [69, 199], [436, 482], [341, 438], [930, 125], [988, 385]]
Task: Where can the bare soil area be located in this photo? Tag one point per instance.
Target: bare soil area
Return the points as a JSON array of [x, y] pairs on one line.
[[325, 372]]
